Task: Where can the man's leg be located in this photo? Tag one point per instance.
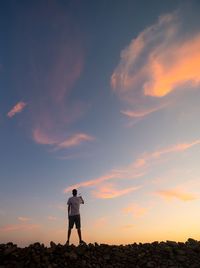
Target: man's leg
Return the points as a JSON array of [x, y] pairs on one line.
[[78, 227], [79, 234], [71, 224], [68, 235]]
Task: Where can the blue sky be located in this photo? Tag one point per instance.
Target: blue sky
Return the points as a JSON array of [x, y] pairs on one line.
[[102, 96]]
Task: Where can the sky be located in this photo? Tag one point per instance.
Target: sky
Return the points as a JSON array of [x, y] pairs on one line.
[[102, 96]]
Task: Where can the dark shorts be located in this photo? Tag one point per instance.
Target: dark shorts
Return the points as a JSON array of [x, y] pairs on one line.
[[75, 219]]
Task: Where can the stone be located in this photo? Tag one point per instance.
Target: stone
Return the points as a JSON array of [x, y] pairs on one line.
[[169, 254]]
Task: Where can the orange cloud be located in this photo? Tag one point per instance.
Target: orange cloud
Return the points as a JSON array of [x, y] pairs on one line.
[[183, 67], [18, 108], [107, 191], [160, 60], [19, 227], [135, 210], [176, 193]]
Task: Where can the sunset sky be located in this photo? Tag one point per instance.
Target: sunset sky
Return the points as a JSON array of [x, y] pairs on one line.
[[102, 96]]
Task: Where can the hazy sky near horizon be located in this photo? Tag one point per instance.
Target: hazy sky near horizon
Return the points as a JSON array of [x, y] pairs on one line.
[[102, 96]]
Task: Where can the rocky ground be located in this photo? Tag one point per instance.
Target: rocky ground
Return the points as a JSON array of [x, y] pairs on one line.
[[157, 254]]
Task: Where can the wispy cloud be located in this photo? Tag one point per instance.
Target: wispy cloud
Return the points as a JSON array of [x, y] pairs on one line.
[[139, 114], [41, 138], [18, 108], [160, 60], [75, 140], [138, 168], [107, 191], [23, 219], [113, 175], [58, 143], [174, 149], [50, 71], [135, 210], [19, 227], [177, 194]]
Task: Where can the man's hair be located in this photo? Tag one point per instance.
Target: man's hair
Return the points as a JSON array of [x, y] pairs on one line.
[[74, 192]]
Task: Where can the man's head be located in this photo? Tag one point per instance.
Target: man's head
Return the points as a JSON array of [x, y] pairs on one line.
[[74, 192]]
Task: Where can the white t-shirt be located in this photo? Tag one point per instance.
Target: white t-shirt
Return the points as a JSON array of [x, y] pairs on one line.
[[74, 203]]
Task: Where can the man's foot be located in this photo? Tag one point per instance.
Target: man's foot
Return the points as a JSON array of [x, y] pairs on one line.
[[67, 243], [82, 242]]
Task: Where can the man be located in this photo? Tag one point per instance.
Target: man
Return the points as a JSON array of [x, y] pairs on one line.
[[74, 215]]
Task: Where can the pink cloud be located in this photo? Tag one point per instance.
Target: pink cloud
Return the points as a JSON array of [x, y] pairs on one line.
[[18, 108], [50, 70], [138, 114], [177, 194], [75, 140], [41, 137], [58, 143], [107, 191]]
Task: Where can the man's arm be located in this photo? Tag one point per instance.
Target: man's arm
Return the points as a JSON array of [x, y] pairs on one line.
[[82, 201]]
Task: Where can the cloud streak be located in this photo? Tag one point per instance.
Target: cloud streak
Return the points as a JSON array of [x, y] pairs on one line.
[[139, 114], [75, 140], [107, 191], [176, 194], [58, 143], [18, 108]]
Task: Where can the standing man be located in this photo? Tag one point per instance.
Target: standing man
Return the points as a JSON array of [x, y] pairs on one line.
[[74, 215]]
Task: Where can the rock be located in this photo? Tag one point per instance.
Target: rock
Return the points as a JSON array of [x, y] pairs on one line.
[[169, 254], [73, 256], [52, 245]]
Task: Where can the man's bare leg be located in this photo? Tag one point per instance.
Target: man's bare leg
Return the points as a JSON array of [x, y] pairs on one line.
[[79, 235], [68, 235]]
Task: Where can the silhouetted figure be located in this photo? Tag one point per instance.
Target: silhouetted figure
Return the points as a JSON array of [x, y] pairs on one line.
[[74, 215]]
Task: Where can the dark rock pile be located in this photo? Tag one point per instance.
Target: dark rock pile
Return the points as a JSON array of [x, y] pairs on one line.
[[157, 254]]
